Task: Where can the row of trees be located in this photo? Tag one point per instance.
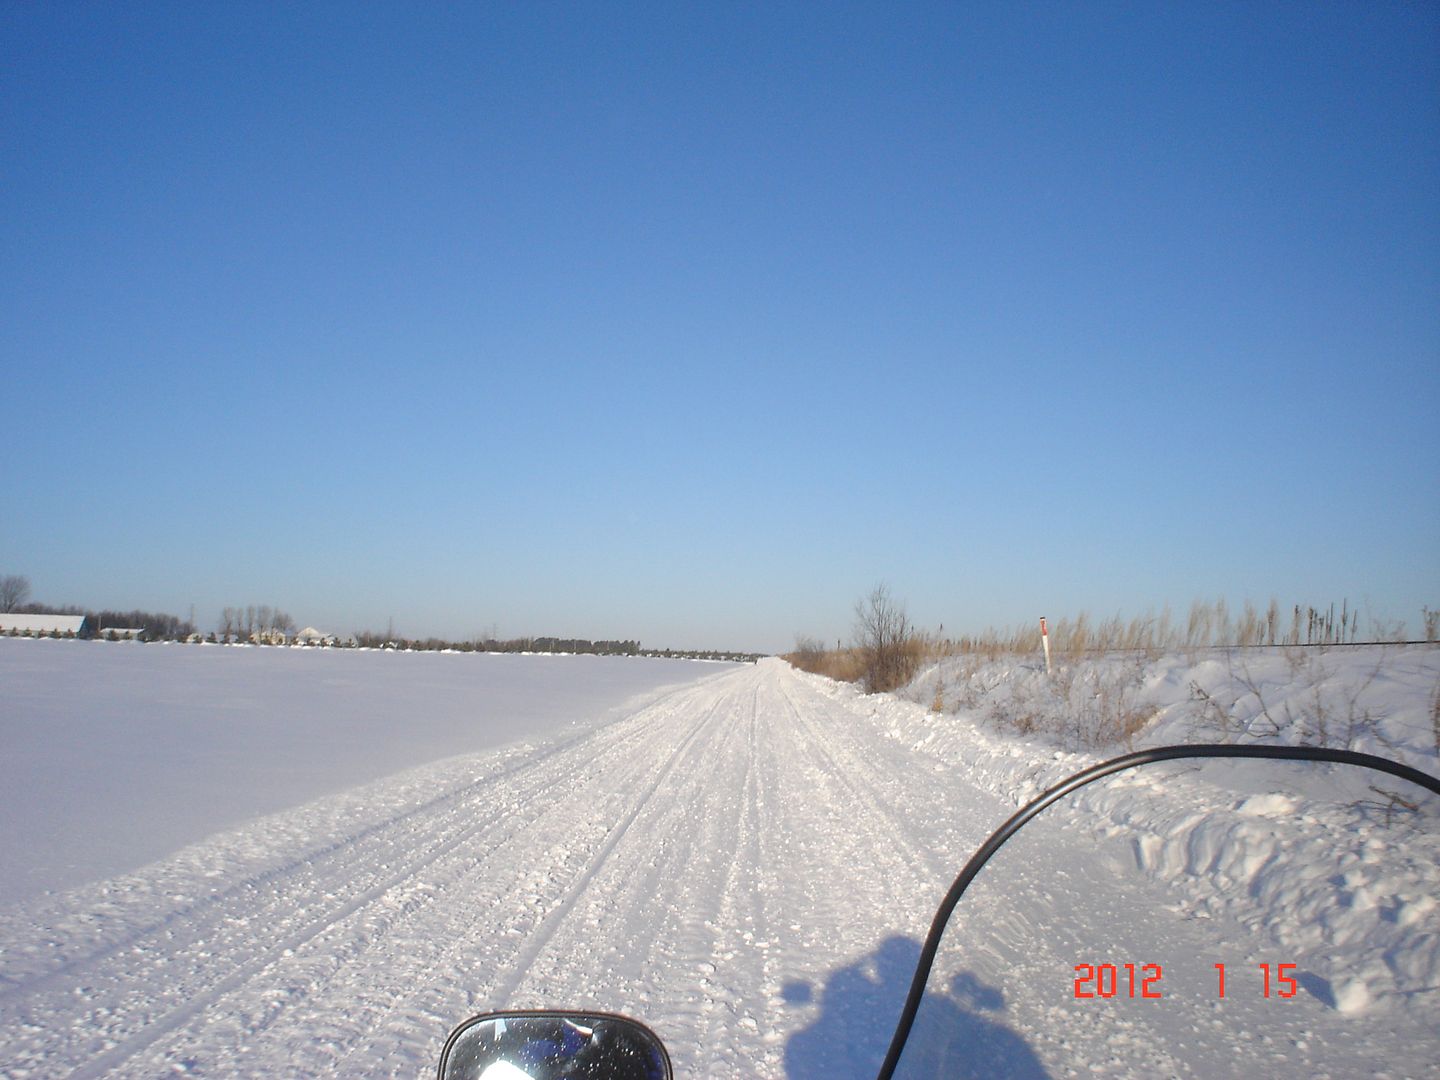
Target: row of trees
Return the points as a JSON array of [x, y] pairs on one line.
[[157, 625], [371, 640], [252, 620], [112, 634]]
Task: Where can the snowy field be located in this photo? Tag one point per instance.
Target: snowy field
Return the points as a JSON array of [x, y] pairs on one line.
[[116, 754], [748, 859]]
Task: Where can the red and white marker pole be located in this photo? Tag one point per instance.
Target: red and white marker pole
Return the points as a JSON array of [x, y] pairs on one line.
[[1045, 640]]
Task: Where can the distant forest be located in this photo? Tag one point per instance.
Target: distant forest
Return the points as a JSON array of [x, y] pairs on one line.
[[371, 640], [238, 624]]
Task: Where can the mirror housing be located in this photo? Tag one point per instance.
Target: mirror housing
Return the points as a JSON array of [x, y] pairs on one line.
[[553, 1045]]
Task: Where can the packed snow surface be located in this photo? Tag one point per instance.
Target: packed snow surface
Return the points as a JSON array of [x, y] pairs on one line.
[[749, 862]]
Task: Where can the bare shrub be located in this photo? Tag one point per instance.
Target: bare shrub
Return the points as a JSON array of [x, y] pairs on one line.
[[1119, 714], [1215, 720], [1389, 807], [1321, 710], [1435, 717], [890, 651]]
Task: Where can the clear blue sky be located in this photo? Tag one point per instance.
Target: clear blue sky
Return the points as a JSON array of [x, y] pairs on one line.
[[692, 322]]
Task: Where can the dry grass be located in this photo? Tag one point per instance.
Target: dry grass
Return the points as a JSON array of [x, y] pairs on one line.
[[1208, 624], [1104, 706], [843, 665], [851, 664]]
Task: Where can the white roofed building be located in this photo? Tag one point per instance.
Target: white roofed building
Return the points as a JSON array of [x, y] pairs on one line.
[[36, 625], [120, 633]]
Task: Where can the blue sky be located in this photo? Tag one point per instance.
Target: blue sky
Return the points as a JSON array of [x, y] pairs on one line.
[[692, 322]]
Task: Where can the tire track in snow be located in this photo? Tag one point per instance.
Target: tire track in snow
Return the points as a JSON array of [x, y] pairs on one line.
[[541, 936], [242, 893], [743, 939], [457, 962], [660, 927], [196, 999], [857, 776]]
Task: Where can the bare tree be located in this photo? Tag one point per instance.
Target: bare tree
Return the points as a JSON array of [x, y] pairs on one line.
[[885, 640], [253, 619], [14, 591]]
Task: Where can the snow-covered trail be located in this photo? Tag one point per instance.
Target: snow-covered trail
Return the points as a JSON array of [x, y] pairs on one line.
[[685, 863], [748, 862]]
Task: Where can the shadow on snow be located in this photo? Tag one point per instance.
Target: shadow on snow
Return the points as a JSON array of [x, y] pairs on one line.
[[953, 1036]]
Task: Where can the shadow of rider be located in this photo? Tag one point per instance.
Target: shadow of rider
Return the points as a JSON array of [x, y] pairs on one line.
[[951, 1039]]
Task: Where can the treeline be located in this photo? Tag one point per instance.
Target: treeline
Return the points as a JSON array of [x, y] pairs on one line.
[[156, 625], [368, 639], [703, 654], [269, 625], [253, 619]]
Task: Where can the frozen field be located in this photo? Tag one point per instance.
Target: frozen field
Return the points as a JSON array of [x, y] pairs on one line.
[[749, 861], [113, 755]]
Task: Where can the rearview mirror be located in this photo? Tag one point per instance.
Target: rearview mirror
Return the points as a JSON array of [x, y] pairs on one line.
[[547, 1045]]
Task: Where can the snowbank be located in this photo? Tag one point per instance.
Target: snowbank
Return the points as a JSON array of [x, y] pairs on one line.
[[1337, 863]]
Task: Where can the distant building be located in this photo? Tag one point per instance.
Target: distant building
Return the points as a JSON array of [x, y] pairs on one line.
[[268, 637], [35, 625], [311, 636], [120, 633]]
